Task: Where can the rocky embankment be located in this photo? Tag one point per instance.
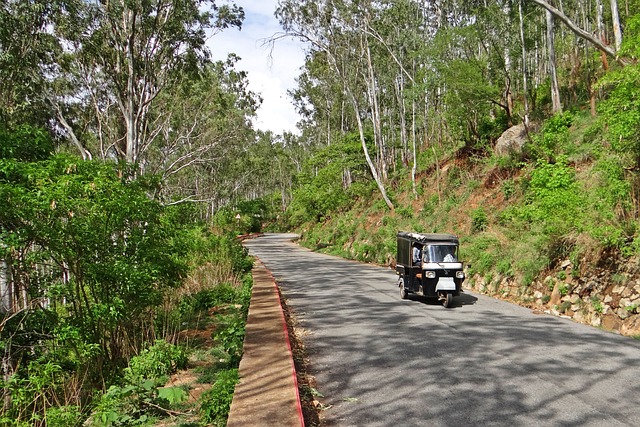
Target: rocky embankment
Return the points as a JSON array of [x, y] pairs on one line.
[[608, 298]]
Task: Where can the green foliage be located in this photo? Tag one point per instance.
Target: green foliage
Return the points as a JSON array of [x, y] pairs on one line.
[[554, 135], [25, 144], [122, 405], [597, 304], [122, 254], [479, 220], [554, 200], [620, 112], [508, 188], [30, 391], [481, 252], [137, 400], [230, 336], [332, 179], [156, 363], [217, 400], [64, 416], [245, 218], [173, 395]]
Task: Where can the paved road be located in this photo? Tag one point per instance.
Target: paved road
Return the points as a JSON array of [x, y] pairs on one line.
[[382, 361]]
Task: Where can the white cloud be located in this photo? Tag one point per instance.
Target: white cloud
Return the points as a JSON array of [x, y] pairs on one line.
[[270, 72]]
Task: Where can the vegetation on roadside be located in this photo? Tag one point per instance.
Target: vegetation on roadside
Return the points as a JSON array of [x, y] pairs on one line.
[[107, 279], [121, 193]]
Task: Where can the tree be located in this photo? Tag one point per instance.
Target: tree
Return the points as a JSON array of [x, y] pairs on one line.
[[581, 33], [555, 90], [336, 29], [124, 54], [27, 52]]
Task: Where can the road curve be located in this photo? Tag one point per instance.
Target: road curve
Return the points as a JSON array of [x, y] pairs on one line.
[[382, 361]]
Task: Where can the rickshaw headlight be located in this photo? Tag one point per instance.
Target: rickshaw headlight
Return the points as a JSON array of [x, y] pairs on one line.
[[431, 274], [460, 274]]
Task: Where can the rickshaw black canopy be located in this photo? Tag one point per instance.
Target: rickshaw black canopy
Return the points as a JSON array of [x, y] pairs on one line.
[[407, 239]]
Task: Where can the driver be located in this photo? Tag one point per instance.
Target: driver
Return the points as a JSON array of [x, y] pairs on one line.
[[417, 254]]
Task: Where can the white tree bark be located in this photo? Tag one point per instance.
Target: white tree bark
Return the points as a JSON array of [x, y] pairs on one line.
[[580, 32], [617, 31], [525, 89], [555, 90], [6, 287]]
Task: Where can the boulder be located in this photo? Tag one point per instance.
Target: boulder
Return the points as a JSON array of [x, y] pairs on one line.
[[511, 141]]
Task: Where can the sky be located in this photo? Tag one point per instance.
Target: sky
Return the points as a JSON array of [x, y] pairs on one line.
[[268, 75]]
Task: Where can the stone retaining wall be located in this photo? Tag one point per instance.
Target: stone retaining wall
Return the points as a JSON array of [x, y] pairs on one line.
[[606, 298]]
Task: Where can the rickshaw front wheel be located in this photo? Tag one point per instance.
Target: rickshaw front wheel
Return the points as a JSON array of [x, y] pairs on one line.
[[403, 291], [447, 299]]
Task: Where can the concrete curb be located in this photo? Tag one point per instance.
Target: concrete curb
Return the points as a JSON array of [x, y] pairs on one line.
[[267, 394]]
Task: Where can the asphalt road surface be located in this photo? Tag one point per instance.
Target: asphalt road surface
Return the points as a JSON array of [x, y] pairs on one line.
[[382, 361]]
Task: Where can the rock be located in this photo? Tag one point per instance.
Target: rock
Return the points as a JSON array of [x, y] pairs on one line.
[[608, 299], [618, 289], [566, 263], [611, 323], [596, 321], [511, 141], [623, 313], [631, 326], [575, 298], [555, 296]]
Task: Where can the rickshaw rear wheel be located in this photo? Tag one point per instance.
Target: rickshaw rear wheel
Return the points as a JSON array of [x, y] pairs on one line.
[[403, 291], [447, 299]]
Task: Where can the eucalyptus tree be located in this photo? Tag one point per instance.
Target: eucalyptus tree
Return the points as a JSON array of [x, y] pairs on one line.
[[203, 122], [121, 55], [580, 32], [27, 52], [320, 99], [335, 29]]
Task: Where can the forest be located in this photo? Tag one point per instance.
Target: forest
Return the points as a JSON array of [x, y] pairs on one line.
[[129, 163]]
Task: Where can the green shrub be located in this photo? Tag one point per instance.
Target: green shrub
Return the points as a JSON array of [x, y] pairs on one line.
[[479, 220], [64, 416], [217, 400], [508, 189], [231, 336], [156, 362]]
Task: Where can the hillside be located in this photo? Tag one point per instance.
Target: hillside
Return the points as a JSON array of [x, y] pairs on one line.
[[552, 229]]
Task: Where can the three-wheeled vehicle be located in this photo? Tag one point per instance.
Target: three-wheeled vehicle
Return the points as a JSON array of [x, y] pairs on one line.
[[427, 265]]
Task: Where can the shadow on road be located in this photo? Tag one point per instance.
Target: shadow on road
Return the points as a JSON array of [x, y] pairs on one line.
[[382, 361]]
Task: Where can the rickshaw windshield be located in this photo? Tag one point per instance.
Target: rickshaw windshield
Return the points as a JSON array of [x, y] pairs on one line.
[[441, 253]]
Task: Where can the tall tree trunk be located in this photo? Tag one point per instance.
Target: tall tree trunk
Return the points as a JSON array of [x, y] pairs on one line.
[[506, 10], [129, 112], [363, 141], [582, 33], [555, 90], [403, 121], [617, 31], [6, 287], [375, 112], [601, 31], [414, 163], [525, 89]]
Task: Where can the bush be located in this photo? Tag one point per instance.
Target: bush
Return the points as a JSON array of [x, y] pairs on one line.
[[156, 362], [217, 400], [231, 337], [479, 220]]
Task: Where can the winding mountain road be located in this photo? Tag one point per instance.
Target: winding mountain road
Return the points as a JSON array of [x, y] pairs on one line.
[[382, 361]]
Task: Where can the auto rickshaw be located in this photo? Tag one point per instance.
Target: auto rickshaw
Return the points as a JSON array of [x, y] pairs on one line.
[[427, 265]]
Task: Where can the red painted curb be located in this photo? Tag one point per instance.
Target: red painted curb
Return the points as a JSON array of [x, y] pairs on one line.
[[288, 341]]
